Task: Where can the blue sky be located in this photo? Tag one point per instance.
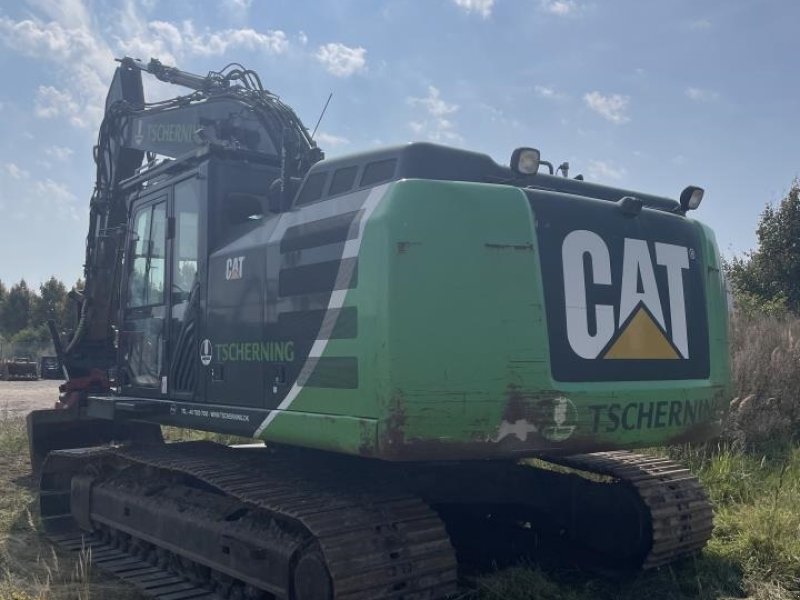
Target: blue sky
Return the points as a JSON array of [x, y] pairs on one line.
[[649, 95]]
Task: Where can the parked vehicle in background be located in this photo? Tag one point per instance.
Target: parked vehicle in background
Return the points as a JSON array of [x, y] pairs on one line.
[[18, 369], [50, 368]]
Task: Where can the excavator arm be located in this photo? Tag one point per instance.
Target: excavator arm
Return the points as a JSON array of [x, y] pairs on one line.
[[228, 108]]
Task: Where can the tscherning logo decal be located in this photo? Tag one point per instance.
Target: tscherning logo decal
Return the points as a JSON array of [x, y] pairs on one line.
[[205, 352], [633, 327]]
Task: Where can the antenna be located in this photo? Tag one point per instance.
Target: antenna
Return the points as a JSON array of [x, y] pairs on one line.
[[322, 114]]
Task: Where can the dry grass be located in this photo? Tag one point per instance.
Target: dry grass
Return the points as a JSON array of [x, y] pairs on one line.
[[765, 355], [31, 568]]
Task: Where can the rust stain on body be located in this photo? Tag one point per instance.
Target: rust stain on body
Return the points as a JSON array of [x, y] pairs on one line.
[[395, 434]]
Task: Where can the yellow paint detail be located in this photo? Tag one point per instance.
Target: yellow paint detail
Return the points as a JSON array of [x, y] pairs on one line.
[[641, 339]]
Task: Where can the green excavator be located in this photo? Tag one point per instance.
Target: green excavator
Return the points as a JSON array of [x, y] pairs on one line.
[[418, 338]]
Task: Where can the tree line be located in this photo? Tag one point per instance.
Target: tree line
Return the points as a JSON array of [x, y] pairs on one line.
[[767, 279], [24, 313]]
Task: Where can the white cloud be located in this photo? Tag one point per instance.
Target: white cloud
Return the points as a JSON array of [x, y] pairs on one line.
[[700, 24], [436, 126], [82, 52], [40, 199], [70, 13], [495, 114], [328, 139], [57, 192], [605, 171], [85, 61], [238, 7], [341, 60], [482, 7], [302, 38], [51, 102], [33, 38], [434, 103], [559, 8], [55, 196], [169, 43], [701, 95], [16, 172], [612, 107], [548, 92], [156, 39], [215, 43], [59, 152]]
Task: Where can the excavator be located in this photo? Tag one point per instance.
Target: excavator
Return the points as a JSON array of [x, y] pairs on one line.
[[436, 360]]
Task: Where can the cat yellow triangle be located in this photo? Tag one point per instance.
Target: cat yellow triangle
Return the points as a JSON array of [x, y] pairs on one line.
[[641, 339]]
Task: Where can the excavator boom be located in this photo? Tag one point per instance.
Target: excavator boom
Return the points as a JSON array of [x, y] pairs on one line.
[[226, 109]]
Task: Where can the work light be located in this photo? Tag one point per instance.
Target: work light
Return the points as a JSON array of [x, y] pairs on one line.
[[525, 161], [691, 197]]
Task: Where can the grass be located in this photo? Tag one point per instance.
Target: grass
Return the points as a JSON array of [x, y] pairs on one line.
[[30, 568], [755, 551]]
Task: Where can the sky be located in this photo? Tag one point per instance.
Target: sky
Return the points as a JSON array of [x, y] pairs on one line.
[[641, 94]]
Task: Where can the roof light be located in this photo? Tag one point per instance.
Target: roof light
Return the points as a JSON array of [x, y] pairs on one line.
[[525, 161], [691, 197]]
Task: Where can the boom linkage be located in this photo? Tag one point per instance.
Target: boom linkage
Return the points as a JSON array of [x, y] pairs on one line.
[[227, 109]]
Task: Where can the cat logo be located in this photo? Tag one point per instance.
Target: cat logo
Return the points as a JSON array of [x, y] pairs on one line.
[[234, 268], [634, 328]]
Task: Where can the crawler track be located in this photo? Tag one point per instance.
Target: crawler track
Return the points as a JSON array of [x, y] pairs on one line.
[[681, 517], [367, 542], [149, 579], [199, 520]]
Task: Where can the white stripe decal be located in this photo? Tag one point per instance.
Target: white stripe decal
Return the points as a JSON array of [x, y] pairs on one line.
[[351, 250]]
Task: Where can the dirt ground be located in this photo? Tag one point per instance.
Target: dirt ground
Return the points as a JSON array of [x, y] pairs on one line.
[[18, 398]]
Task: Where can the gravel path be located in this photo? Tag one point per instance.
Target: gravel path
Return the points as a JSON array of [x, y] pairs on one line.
[[18, 398]]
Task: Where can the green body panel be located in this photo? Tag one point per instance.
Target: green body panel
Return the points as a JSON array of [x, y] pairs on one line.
[[453, 352]]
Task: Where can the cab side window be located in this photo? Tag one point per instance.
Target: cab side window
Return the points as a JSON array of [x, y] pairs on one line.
[[185, 249], [148, 256]]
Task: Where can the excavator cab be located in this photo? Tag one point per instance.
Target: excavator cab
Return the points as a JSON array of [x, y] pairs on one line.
[[175, 223]]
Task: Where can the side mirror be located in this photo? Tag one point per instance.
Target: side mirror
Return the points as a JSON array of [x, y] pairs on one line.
[[525, 161], [691, 197], [274, 197], [279, 198]]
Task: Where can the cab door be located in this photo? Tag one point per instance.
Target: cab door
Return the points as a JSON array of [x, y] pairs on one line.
[[185, 315], [143, 336]]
